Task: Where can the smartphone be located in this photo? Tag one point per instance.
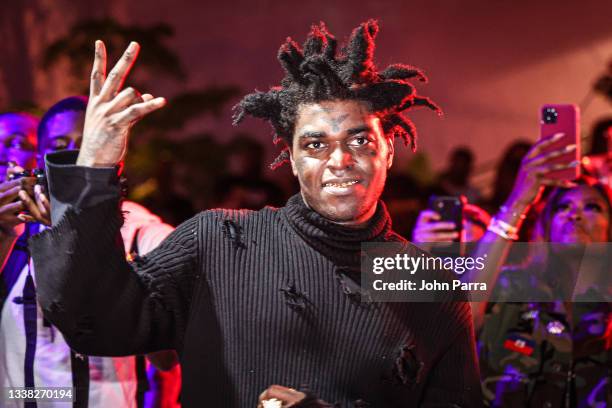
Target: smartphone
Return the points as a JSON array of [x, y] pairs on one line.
[[450, 209], [562, 119]]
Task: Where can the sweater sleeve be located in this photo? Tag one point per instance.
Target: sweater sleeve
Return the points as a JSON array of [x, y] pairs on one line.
[[102, 304], [455, 380]]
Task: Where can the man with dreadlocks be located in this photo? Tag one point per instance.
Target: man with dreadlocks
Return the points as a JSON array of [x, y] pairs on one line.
[[261, 300]]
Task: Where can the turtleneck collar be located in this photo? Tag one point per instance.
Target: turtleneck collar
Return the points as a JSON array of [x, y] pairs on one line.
[[340, 243]]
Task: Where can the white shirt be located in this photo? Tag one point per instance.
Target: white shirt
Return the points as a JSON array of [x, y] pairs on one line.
[[112, 380]]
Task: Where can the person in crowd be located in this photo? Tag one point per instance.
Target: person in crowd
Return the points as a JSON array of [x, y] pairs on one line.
[[505, 176], [404, 197], [34, 352], [17, 140], [601, 137], [455, 179], [164, 200], [556, 353], [17, 148], [598, 163], [506, 172], [544, 354], [244, 185], [261, 300], [544, 338]]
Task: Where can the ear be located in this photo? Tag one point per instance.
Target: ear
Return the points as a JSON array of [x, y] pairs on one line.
[[293, 167], [390, 152]]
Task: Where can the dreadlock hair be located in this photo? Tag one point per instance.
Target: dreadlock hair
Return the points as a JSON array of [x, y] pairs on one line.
[[317, 72]]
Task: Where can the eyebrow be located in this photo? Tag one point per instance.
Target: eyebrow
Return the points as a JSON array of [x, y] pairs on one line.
[[308, 134], [351, 132], [359, 129]]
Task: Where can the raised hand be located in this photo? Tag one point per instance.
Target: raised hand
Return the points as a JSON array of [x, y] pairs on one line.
[[11, 206], [535, 167], [112, 111], [429, 228], [279, 396], [38, 207]]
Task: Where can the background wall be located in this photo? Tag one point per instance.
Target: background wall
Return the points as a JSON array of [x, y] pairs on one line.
[[490, 64]]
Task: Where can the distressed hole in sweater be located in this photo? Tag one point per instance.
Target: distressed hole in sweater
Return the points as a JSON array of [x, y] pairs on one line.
[[352, 290], [233, 232], [407, 369], [295, 299]]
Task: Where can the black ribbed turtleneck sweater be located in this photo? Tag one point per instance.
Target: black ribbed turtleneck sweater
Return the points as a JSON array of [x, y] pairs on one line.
[[249, 299]]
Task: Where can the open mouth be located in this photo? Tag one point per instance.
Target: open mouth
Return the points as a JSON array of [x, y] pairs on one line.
[[341, 187], [343, 184]]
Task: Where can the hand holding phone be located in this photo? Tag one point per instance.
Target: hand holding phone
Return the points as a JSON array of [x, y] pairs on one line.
[[450, 209], [554, 160]]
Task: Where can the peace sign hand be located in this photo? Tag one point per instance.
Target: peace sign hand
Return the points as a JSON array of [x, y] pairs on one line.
[[112, 111]]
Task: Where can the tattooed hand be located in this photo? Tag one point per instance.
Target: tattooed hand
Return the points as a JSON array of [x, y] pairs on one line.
[[112, 111]]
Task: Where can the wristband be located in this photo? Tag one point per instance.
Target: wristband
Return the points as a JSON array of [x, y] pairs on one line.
[[503, 229]]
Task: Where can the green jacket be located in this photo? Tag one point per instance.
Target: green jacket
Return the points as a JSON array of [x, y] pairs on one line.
[[535, 355]]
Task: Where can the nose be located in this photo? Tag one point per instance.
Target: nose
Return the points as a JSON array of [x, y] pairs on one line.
[[575, 213], [340, 158]]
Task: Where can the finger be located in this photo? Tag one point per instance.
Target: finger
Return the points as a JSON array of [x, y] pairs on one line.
[[42, 202], [25, 182], [427, 216], [551, 155], [138, 110], [437, 236], [129, 96], [11, 208], [423, 238], [544, 169], [98, 70], [440, 237], [30, 205], [559, 183], [289, 396], [26, 218], [117, 76], [439, 226], [9, 184], [146, 97], [542, 144], [10, 195], [276, 391], [264, 396]]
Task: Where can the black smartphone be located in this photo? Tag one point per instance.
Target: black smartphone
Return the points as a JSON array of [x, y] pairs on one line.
[[450, 209]]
